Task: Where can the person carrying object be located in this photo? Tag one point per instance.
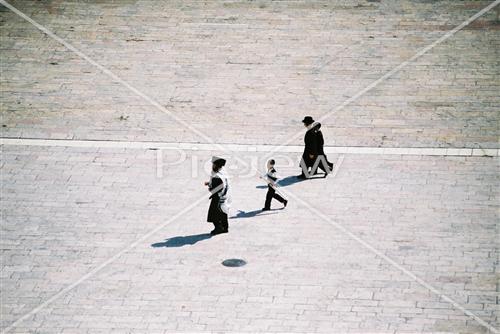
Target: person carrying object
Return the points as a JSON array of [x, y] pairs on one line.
[[271, 187]]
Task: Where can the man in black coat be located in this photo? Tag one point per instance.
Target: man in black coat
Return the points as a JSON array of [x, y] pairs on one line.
[[310, 148], [321, 159]]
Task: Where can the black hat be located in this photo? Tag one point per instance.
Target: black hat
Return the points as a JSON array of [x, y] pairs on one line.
[[308, 120], [218, 160]]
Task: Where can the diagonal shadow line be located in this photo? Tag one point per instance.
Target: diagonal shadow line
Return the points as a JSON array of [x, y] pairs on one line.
[[116, 78], [254, 213], [355, 97], [392, 72], [181, 241], [386, 258], [103, 69], [375, 83], [105, 263], [332, 57]]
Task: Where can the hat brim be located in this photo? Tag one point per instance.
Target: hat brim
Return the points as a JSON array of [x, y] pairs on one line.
[[221, 162]]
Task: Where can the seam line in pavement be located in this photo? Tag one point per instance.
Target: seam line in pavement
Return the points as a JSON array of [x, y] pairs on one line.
[[108, 72], [395, 70], [437, 151], [399, 67]]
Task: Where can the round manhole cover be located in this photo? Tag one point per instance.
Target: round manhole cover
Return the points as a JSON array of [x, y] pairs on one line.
[[234, 262]]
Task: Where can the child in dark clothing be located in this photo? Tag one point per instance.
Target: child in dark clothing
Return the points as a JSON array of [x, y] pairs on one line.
[[271, 187]]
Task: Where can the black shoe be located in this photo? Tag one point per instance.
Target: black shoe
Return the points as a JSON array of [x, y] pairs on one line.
[[215, 232], [285, 203], [266, 209], [301, 177]]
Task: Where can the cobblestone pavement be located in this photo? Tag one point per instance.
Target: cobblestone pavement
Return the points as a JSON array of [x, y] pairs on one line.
[[66, 210], [249, 71], [390, 244]]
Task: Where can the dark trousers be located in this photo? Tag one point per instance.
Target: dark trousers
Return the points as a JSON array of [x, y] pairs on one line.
[[222, 224], [305, 164], [271, 193], [320, 162], [326, 169]]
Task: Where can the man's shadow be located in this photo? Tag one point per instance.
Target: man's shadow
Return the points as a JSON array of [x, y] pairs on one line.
[[182, 240], [250, 214]]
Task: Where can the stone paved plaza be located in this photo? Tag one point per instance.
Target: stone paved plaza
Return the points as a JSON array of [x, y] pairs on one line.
[[102, 235]]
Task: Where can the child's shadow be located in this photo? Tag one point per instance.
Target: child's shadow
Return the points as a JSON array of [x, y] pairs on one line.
[[182, 240], [250, 214], [287, 181]]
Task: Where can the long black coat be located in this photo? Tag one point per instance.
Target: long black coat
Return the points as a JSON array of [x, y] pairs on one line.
[[320, 141], [215, 214], [311, 147]]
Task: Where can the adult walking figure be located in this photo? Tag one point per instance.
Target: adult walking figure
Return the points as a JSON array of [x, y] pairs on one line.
[[310, 148], [220, 197], [321, 160]]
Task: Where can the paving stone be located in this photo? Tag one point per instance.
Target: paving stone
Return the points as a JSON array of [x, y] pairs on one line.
[[246, 72], [351, 289], [216, 65]]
